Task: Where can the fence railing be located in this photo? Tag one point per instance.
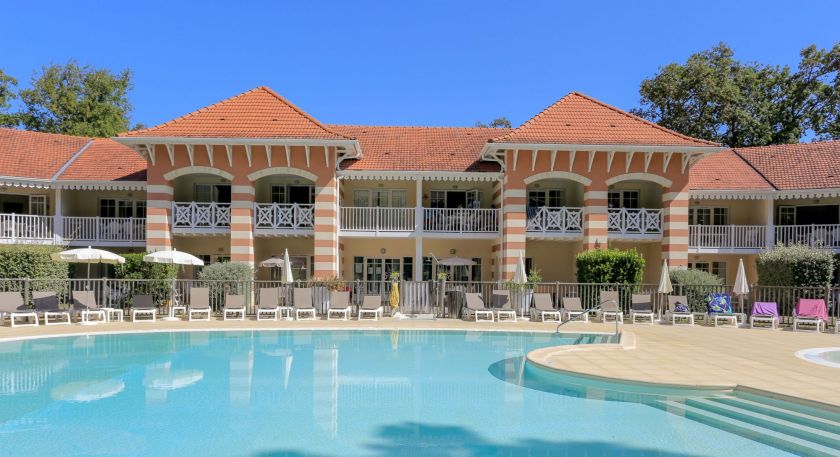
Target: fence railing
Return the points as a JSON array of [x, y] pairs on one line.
[[555, 220], [278, 216], [375, 219], [822, 235], [461, 220], [22, 228], [727, 236], [116, 229], [642, 221], [201, 215], [445, 299]]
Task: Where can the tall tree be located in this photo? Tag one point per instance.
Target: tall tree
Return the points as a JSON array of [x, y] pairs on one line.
[[7, 94], [820, 71], [716, 97], [497, 123], [77, 100]]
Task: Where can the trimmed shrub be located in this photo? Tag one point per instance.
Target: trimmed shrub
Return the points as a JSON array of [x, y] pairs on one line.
[[610, 266], [135, 268], [227, 277], [695, 285], [31, 261], [796, 265]]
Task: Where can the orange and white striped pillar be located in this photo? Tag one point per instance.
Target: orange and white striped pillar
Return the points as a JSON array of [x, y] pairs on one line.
[[595, 216], [326, 226], [159, 197], [675, 227], [242, 198], [513, 227]]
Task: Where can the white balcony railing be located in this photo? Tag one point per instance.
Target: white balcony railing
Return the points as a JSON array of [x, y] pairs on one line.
[[727, 236], [822, 235], [355, 218], [194, 215], [25, 228], [280, 216], [461, 220], [640, 221], [94, 229], [555, 220]]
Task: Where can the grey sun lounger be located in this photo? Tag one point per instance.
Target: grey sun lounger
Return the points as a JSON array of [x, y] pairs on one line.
[[47, 306], [641, 306], [84, 303], [676, 317], [476, 308], [234, 307], [199, 304], [302, 302], [12, 305], [610, 307], [502, 306], [572, 307], [269, 304], [371, 306], [543, 307], [143, 305], [339, 305]]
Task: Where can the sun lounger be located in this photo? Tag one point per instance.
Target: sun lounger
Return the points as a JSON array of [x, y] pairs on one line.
[[84, 303], [641, 306], [234, 309], [502, 306], [12, 305], [339, 305], [47, 306], [476, 308], [371, 306], [610, 307], [719, 309], [269, 304], [810, 312], [767, 312], [143, 305], [679, 311], [572, 307], [543, 307], [302, 301], [199, 304]]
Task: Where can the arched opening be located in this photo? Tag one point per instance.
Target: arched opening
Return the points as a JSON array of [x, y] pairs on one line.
[[554, 205], [201, 201], [634, 207]]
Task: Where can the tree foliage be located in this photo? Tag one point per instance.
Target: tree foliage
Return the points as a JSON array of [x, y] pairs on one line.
[[7, 94], [135, 268], [716, 97], [795, 266], [695, 285], [497, 123], [77, 100]]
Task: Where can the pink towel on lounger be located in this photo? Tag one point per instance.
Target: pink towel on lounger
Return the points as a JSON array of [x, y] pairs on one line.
[[809, 307]]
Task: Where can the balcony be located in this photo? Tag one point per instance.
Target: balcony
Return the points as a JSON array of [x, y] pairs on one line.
[[461, 220], [723, 238], [822, 235], [25, 228], [375, 219], [554, 221], [200, 218], [100, 231], [635, 222], [283, 218]]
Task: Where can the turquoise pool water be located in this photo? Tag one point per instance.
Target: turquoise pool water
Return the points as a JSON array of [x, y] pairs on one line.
[[324, 393]]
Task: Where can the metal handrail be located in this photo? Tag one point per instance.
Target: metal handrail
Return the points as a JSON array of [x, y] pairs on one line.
[[586, 312]]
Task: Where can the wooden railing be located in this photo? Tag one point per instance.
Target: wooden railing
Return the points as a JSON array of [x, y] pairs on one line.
[[374, 219], [201, 215], [279, 216], [555, 220], [93, 229], [26, 228], [727, 236], [822, 235], [641, 221], [461, 220]]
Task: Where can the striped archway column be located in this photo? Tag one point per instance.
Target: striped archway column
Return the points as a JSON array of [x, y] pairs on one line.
[[242, 198], [496, 247], [675, 227], [326, 227], [159, 197], [595, 215], [513, 227]]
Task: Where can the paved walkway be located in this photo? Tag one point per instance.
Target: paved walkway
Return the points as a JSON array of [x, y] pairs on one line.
[[693, 356]]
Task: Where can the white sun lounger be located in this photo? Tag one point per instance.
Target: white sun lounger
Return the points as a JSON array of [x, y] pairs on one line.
[[572, 308], [371, 306], [502, 307], [678, 317], [234, 309], [269, 304], [339, 305], [143, 305], [476, 308], [199, 304], [302, 301], [84, 302], [641, 306], [12, 305], [543, 307], [47, 306], [610, 307]]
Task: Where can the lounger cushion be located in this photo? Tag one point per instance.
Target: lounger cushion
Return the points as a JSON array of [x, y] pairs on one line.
[[719, 304]]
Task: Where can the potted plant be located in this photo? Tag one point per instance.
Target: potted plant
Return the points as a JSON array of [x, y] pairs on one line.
[[521, 294]]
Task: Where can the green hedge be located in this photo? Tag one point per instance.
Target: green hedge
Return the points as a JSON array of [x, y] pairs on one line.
[[796, 265], [31, 261], [610, 266], [695, 285], [135, 268]]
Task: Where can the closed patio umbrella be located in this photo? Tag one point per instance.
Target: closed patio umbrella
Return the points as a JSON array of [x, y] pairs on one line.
[[172, 257], [287, 268], [741, 287], [665, 286], [520, 276]]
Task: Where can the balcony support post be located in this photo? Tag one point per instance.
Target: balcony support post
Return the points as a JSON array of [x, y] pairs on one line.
[[58, 220], [159, 214], [242, 222], [770, 230], [675, 227], [595, 215]]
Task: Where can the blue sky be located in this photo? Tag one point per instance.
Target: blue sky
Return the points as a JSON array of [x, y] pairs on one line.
[[400, 62]]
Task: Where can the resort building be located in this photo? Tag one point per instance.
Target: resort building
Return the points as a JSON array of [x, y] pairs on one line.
[[252, 175]]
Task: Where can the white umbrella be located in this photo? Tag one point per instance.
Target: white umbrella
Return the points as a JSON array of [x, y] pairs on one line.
[[88, 256], [287, 268], [520, 276], [665, 286], [172, 257], [273, 262], [741, 287]]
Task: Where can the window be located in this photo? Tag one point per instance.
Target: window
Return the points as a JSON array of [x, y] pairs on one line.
[[438, 199], [107, 207], [553, 198], [428, 269], [529, 265], [140, 209], [382, 198], [708, 216], [455, 199], [206, 193], [408, 269], [38, 205], [623, 198], [278, 194], [476, 269], [715, 268], [786, 215], [111, 207], [291, 194], [358, 268]]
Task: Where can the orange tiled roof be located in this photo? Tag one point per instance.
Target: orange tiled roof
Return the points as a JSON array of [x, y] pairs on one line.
[[725, 170], [106, 160], [420, 148], [257, 113], [797, 166], [579, 119], [36, 155]]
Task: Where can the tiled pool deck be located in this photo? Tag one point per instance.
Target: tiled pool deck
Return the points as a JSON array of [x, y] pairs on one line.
[[692, 356]]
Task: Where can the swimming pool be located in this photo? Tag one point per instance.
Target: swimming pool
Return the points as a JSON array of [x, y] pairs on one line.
[[274, 393]]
